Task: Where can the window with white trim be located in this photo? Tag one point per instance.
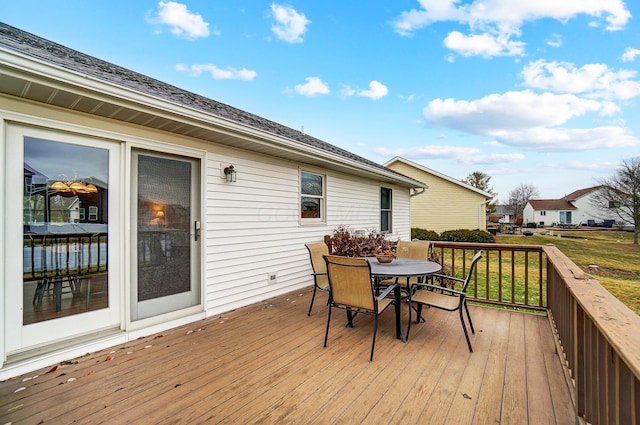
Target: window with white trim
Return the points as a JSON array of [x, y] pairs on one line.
[[385, 210], [312, 196], [93, 213]]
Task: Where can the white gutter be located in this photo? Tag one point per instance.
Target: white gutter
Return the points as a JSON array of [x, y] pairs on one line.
[[480, 225]]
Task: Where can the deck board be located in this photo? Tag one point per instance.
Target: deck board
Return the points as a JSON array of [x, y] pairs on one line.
[[265, 364]]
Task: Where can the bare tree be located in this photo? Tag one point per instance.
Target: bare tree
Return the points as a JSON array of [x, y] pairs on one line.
[[620, 194], [481, 181], [519, 197]]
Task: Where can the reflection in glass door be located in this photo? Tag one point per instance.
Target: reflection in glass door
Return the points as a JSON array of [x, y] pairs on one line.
[[165, 233], [65, 219]]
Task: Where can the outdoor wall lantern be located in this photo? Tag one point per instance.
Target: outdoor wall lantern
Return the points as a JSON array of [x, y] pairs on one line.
[[230, 174]]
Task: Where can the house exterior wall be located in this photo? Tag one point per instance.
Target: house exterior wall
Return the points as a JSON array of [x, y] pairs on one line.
[[444, 205], [250, 228], [586, 211], [583, 212], [253, 227], [542, 217]]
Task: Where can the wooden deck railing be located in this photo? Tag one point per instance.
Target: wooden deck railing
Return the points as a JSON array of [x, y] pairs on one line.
[[598, 337], [507, 275]]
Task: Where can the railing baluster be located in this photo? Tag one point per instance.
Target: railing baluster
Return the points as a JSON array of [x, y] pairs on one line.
[[513, 276], [526, 277], [540, 287], [500, 294]]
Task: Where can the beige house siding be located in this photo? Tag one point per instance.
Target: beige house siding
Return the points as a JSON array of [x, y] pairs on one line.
[[445, 205]]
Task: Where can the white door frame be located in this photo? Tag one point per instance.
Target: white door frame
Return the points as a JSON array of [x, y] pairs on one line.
[[21, 338]]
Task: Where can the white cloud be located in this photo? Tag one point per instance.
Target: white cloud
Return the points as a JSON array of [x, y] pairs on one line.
[[376, 91], [555, 40], [500, 13], [568, 139], [218, 73], [515, 109], [290, 25], [347, 91], [483, 45], [592, 80], [464, 155], [182, 22], [312, 87], [529, 120], [630, 54], [503, 19]]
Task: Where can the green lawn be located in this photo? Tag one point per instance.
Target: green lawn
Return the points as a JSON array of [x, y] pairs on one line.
[[617, 258]]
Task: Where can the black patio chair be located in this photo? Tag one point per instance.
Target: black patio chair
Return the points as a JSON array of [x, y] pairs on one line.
[[317, 251], [352, 289], [444, 298]]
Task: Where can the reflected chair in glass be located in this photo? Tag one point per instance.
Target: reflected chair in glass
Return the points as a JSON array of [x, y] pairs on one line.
[[430, 295], [352, 289], [320, 281]]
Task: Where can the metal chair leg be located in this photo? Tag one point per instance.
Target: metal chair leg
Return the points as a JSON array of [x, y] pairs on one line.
[[466, 307], [313, 297], [326, 334], [373, 342], [464, 328]]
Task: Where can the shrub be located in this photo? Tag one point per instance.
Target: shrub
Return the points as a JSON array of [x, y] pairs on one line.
[[465, 235], [424, 235]]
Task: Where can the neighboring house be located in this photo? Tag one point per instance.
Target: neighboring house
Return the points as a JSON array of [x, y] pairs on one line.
[[448, 204], [501, 215], [198, 208], [573, 209]]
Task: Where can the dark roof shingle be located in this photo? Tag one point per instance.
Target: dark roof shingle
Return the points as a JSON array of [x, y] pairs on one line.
[[61, 56]]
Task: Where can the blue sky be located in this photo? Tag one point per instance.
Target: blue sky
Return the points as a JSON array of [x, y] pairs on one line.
[[541, 92]]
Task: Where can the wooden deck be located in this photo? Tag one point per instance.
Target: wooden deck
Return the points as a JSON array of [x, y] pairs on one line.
[[265, 364]]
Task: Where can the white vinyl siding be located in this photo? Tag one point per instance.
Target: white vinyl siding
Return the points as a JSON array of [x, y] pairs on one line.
[[253, 226]]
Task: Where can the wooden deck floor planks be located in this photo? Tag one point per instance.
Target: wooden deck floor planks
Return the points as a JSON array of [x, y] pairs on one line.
[[265, 364]]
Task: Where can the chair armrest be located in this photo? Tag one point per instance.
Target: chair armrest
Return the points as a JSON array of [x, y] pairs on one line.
[[318, 274], [439, 288], [387, 291]]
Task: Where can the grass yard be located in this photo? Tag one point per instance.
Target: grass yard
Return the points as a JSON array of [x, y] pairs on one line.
[[613, 252]]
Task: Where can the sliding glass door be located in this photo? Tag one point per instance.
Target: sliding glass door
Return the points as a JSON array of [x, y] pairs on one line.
[[61, 212]]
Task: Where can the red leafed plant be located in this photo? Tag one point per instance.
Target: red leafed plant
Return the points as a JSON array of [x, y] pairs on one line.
[[345, 242]]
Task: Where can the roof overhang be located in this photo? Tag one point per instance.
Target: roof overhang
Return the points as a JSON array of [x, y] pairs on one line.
[[36, 80]]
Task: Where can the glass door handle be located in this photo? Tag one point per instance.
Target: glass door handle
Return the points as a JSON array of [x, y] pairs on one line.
[[196, 230]]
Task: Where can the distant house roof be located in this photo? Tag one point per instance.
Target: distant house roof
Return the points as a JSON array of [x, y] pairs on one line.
[[551, 204], [65, 78], [564, 203], [440, 175], [580, 193]]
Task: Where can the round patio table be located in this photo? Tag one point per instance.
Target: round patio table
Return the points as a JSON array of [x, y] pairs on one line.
[[403, 268]]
